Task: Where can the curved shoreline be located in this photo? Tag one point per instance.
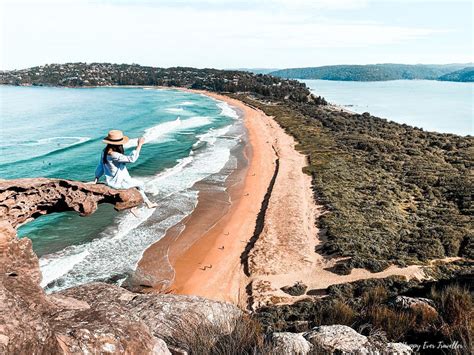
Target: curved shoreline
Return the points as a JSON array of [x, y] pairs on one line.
[[196, 255], [239, 261]]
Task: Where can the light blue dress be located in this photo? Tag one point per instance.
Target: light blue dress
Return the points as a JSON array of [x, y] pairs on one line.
[[116, 172]]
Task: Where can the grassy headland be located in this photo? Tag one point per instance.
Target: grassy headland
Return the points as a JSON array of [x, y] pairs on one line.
[[394, 193]]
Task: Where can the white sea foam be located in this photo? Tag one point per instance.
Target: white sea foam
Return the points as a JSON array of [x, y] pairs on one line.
[[55, 266], [154, 133], [175, 109], [186, 103], [120, 246], [210, 137], [63, 142], [226, 110]]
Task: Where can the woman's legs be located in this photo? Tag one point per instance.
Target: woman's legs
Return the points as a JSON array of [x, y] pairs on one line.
[[145, 197]]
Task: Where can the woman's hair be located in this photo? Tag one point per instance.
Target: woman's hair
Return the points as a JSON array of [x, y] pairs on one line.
[[111, 147]]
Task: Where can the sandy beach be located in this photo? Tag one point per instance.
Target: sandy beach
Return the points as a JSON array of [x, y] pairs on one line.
[[206, 261], [243, 245]]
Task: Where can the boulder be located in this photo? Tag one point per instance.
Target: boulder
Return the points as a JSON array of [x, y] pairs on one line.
[[54, 324], [398, 348], [330, 339], [290, 343], [340, 338], [405, 302], [163, 314]]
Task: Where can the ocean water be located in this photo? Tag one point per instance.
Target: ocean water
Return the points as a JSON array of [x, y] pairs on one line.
[[439, 106], [57, 132]]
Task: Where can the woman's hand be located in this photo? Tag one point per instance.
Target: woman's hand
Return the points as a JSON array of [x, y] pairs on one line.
[[141, 141]]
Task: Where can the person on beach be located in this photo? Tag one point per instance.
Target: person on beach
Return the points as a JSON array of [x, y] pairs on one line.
[[113, 162]]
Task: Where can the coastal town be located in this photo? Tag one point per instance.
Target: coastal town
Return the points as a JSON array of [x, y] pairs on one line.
[[106, 74]]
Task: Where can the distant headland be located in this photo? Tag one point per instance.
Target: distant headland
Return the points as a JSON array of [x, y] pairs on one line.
[[382, 72]]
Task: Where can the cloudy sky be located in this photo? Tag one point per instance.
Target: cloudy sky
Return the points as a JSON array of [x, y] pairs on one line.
[[235, 34]]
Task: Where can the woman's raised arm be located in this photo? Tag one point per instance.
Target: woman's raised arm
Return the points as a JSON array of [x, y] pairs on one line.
[[132, 158]]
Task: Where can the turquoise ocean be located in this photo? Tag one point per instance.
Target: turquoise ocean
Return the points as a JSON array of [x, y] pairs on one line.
[[439, 106], [57, 133]]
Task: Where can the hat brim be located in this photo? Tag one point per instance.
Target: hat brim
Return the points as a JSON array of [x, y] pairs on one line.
[[124, 140]]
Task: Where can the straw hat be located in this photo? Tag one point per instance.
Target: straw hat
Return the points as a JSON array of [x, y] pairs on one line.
[[115, 137]]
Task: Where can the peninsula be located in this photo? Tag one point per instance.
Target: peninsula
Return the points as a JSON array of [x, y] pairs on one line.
[[342, 220]]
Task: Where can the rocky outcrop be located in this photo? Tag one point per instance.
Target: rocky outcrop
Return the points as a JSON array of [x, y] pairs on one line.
[[330, 339], [413, 303], [23, 200], [94, 318], [333, 339], [163, 314], [290, 343]]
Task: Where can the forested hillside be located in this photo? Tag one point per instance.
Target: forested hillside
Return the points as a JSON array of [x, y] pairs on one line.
[[372, 72], [463, 75]]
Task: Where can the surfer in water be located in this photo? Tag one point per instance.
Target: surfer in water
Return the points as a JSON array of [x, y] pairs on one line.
[[113, 164]]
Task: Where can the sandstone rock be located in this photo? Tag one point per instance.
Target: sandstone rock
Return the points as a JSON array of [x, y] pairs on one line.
[[22, 200], [163, 314], [297, 289], [330, 339], [33, 322], [405, 302], [398, 348], [290, 343], [94, 318], [340, 338], [30, 319], [161, 348], [177, 351]]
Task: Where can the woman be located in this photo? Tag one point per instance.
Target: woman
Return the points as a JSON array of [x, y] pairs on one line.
[[113, 165]]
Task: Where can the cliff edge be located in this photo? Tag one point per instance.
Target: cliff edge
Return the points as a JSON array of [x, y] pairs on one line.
[[92, 318]]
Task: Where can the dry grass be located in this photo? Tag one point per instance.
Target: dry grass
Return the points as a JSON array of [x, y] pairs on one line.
[[373, 297], [396, 324], [341, 313], [456, 307], [335, 312], [231, 335]]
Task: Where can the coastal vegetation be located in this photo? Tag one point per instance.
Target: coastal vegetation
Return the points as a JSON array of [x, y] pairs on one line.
[[463, 75], [373, 307], [393, 194], [378, 72]]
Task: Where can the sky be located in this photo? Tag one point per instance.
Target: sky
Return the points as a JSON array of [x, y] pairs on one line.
[[235, 34]]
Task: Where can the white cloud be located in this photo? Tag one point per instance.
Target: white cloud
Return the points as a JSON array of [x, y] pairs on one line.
[[182, 35]]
